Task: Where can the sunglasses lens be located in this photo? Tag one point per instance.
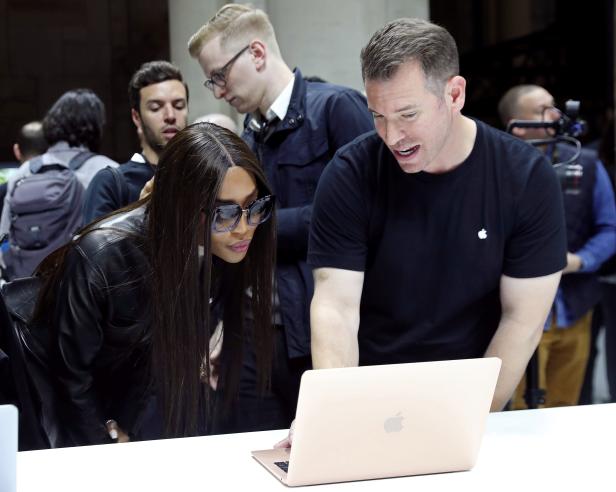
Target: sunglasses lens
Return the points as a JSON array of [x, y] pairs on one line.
[[260, 211], [226, 217]]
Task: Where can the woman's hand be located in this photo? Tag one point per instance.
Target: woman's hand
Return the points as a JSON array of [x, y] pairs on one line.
[[147, 189], [115, 432], [215, 350]]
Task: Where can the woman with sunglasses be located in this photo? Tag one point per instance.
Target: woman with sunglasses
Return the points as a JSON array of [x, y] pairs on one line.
[[131, 304]]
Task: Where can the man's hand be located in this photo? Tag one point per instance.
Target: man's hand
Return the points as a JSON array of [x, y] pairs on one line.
[[574, 263]]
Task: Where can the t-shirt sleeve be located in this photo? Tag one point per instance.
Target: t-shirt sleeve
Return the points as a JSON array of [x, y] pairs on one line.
[[339, 227], [538, 243]]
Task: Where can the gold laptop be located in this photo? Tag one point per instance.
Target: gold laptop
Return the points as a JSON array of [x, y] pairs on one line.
[[369, 422]]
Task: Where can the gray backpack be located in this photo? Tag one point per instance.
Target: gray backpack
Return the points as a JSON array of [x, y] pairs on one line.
[[46, 211]]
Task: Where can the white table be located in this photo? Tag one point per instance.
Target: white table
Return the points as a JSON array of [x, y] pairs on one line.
[[557, 449]]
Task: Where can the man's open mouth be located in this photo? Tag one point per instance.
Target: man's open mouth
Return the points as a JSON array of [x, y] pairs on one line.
[[409, 151]]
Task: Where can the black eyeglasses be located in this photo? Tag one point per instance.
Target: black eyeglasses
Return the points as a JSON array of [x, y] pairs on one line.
[[219, 77], [227, 217]]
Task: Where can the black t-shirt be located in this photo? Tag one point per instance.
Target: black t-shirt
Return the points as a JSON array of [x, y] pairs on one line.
[[434, 246]]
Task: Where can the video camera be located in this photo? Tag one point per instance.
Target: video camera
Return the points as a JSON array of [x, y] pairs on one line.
[[566, 128]]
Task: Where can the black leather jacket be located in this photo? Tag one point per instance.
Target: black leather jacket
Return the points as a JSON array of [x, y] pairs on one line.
[[99, 339]]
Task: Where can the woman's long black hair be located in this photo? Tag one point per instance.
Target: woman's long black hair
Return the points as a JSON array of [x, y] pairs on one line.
[[188, 178]]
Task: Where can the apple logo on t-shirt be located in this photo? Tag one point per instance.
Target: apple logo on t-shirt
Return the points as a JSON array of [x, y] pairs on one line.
[[482, 234]]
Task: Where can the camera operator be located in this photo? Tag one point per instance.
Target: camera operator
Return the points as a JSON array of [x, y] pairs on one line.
[[591, 239]]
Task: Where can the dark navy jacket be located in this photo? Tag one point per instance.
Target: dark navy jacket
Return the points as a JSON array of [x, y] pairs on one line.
[[111, 190], [321, 118]]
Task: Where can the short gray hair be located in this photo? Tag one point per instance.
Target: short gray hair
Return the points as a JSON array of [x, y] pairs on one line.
[[404, 40]]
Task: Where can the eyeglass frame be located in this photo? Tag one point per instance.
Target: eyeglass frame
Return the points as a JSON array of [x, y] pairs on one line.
[[232, 227], [221, 73]]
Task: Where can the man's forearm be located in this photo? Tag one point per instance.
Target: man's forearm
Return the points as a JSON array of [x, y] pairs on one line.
[[525, 306], [514, 345], [334, 339]]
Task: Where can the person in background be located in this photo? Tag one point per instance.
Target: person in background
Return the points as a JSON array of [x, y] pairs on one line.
[[30, 142], [295, 127], [220, 120], [590, 215], [158, 100], [45, 219], [74, 124], [608, 272]]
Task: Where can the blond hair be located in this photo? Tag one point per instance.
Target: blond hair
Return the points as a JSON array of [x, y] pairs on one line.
[[235, 24]]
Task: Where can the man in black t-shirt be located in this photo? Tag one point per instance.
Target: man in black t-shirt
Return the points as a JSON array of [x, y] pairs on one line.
[[435, 237]]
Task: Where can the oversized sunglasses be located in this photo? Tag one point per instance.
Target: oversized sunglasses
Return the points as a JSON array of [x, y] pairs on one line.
[[227, 217]]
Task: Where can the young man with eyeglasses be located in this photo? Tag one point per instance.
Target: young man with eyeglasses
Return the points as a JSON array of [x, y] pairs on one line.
[[295, 127], [158, 100]]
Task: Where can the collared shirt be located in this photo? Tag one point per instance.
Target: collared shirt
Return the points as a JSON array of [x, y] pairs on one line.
[[281, 104], [137, 157], [278, 109]]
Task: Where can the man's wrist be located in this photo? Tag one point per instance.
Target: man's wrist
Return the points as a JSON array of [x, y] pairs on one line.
[[579, 262]]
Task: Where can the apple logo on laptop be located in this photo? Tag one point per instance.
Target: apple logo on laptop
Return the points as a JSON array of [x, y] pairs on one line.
[[393, 424]]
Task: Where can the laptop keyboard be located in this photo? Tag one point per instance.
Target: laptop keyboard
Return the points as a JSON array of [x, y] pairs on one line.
[[283, 465]]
